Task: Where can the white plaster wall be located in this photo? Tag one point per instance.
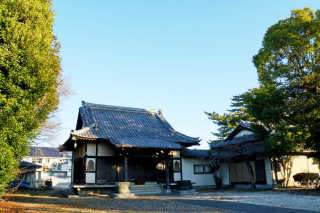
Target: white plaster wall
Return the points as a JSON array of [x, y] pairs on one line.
[[224, 172], [177, 176], [90, 177], [314, 165], [242, 133], [91, 148], [175, 154], [188, 172], [60, 182], [299, 164], [106, 149]]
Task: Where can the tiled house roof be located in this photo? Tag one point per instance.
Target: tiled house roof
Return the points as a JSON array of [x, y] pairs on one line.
[[27, 166], [128, 127], [44, 152], [234, 146], [235, 141], [200, 153]]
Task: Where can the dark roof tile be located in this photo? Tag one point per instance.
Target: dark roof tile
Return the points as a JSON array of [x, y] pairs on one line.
[[129, 127], [200, 153]]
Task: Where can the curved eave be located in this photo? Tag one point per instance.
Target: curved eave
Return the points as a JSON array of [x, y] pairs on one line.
[[68, 145]]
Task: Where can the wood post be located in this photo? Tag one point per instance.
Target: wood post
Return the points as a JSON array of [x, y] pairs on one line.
[[167, 173], [125, 169]]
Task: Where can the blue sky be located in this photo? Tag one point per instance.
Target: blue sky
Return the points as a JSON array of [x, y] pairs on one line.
[[184, 57]]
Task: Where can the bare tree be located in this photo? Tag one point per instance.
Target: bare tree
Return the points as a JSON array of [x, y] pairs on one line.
[[50, 128]]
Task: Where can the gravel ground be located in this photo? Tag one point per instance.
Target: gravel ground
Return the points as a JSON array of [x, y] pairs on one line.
[[295, 199], [51, 201]]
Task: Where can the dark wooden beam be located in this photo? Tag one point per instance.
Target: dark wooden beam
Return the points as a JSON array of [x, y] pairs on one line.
[[167, 174], [125, 169]]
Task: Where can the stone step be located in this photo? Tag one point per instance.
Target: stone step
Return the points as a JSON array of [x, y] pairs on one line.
[[148, 193], [145, 189], [148, 188], [138, 187], [147, 183], [156, 189], [142, 192]]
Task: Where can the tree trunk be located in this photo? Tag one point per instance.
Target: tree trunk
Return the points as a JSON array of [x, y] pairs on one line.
[[252, 180]]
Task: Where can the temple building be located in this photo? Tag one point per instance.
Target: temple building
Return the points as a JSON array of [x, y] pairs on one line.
[[121, 144]]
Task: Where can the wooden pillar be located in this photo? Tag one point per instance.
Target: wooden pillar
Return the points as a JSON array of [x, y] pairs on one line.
[[167, 174], [125, 169]]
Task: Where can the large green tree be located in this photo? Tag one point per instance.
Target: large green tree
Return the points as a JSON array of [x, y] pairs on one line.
[[29, 77], [287, 103], [227, 122]]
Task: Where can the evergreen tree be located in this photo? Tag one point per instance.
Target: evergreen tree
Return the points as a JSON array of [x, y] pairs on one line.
[[29, 77], [229, 121], [287, 103]]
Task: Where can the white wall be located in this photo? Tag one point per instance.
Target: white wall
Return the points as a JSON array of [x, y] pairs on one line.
[[242, 133], [188, 172], [91, 148], [299, 164], [106, 149], [224, 172]]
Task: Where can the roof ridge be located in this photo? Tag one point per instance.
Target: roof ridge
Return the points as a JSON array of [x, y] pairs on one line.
[[121, 108]]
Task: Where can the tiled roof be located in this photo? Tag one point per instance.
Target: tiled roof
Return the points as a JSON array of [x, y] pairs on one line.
[[200, 153], [129, 127], [235, 151], [47, 152], [239, 140], [28, 164]]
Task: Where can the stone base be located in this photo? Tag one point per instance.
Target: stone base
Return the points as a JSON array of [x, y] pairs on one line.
[[184, 192], [130, 195], [167, 191], [122, 187]]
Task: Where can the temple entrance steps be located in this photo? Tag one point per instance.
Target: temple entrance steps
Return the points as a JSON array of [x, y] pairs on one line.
[[147, 189]]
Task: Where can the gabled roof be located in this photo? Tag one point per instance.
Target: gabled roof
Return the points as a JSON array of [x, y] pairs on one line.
[[199, 153], [243, 125], [127, 127], [47, 152], [230, 140]]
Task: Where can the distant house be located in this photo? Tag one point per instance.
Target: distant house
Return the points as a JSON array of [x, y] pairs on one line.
[[26, 174], [269, 171], [55, 166], [115, 144]]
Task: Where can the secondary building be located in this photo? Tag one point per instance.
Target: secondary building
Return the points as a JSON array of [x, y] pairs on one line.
[[269, 171], [55, 167]]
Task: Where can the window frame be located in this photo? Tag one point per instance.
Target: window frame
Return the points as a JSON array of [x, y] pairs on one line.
[[198, 165]]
